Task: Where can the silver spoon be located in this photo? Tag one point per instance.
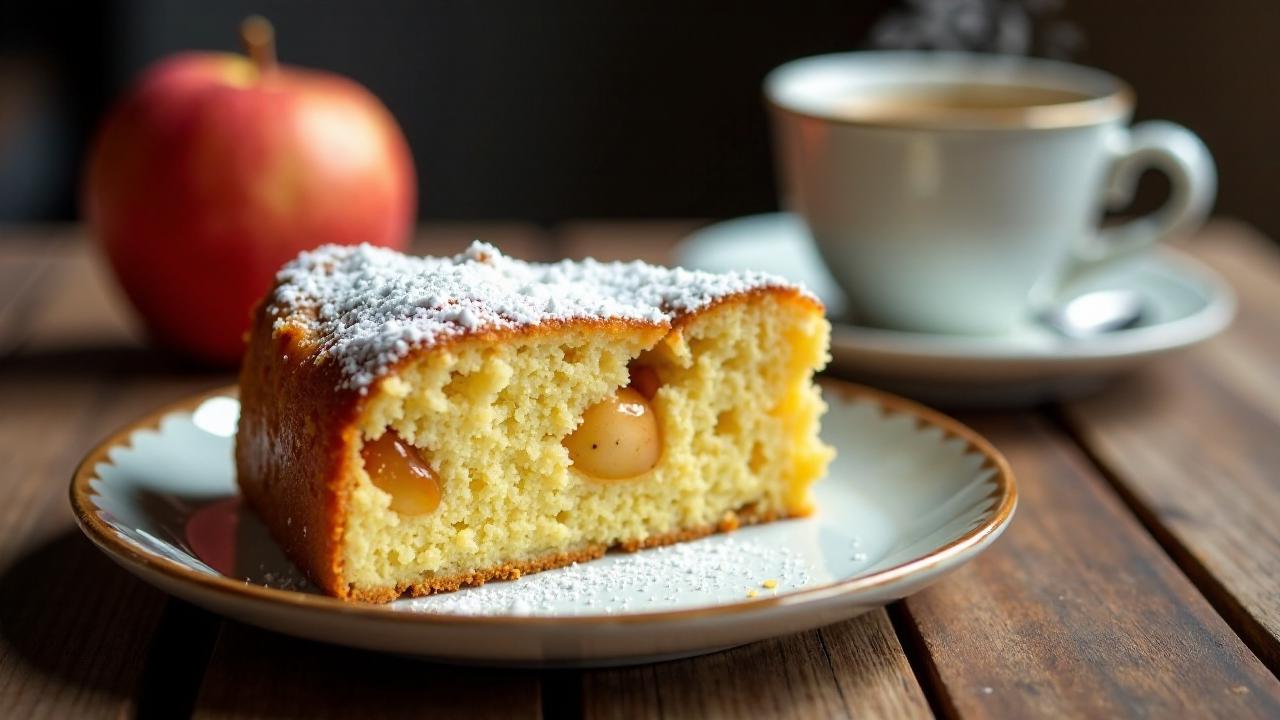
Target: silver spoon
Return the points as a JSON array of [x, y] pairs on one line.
[[1095, 313]]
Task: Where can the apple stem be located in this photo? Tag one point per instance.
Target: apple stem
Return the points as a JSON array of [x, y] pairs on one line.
[[259, 39]]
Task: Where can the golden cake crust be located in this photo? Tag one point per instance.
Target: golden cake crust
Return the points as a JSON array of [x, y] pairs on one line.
[[298, 428]]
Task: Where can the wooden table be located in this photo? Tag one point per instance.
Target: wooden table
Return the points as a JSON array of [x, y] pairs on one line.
[[1140, 578]]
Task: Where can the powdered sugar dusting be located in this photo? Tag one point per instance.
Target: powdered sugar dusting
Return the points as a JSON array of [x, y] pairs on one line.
[[371, 306], [705, 572]]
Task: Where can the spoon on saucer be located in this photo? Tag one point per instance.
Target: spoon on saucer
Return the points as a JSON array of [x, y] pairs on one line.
[[1095, 313]]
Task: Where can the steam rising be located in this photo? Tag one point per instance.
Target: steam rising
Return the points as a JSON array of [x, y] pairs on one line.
[[1009, 27]]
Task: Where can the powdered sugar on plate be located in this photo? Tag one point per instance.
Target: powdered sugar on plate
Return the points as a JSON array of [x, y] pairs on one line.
[[704, 572], [371, 306]]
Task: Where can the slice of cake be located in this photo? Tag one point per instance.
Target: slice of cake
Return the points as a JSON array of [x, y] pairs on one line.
[[414, 425]]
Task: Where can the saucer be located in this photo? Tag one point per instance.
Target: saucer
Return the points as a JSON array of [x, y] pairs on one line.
[[1187, 303], [911, 496]]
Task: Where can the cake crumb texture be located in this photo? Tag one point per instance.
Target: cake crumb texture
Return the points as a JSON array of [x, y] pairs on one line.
[[738, 414]]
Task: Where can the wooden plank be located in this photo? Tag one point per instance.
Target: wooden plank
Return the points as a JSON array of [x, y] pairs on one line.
[[1076, 611], [74, 628], [40, 238], [851, 669], [1191, 445], [785, 677], [26, 276], [871, 669], [262, 674], [20, 272], [82, 310]]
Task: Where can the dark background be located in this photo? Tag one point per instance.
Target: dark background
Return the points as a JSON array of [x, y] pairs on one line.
[[551, 109]]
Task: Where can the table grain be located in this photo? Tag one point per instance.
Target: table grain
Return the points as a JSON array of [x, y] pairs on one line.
[[1141, 577]]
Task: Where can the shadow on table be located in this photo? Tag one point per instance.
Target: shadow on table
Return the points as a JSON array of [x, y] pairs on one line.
[[79, 624], [114, 361], [260, 673]]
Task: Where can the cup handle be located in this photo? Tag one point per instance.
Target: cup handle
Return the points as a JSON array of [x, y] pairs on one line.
[[1171, 149]]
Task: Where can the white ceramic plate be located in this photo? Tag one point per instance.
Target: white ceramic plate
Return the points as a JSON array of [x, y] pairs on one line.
[[912, 495], [1186, 302]]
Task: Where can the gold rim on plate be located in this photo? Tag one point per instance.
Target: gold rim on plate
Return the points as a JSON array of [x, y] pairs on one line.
[[111, 542]]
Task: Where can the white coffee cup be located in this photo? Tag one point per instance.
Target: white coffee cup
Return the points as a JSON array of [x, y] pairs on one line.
[[955, 193]]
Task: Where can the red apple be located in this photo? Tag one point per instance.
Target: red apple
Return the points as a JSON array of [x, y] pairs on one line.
[[216, 168]]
